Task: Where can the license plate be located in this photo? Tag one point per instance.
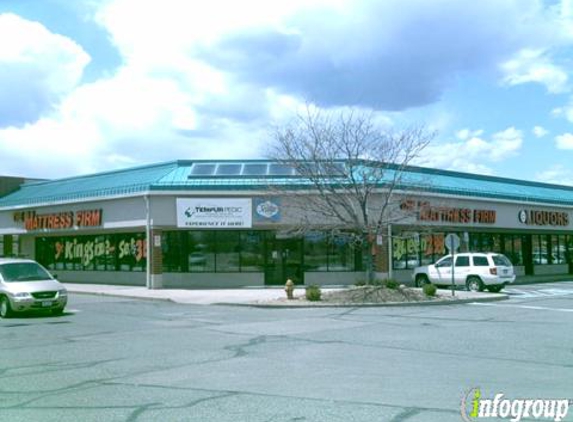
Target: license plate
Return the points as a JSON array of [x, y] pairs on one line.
[[505, 271], [46, 303]]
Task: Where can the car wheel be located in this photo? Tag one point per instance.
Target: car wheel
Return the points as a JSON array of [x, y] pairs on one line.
[[496, 288], [5, 309], [421, 279], [474, 284]]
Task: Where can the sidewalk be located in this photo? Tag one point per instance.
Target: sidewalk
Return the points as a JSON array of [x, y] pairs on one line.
[[246, 296]]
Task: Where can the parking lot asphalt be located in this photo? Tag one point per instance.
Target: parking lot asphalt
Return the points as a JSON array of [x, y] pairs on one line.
[[117, 359]]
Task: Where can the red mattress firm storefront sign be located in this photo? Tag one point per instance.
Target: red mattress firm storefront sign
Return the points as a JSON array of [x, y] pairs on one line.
[[60, 220]]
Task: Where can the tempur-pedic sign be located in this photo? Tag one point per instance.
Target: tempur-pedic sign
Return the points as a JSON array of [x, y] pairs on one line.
[[214, 213]]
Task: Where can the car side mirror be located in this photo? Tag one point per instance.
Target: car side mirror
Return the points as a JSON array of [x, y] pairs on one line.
[[56, 276]]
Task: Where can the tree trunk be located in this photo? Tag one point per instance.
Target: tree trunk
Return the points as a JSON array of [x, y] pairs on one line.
[[369, 263]]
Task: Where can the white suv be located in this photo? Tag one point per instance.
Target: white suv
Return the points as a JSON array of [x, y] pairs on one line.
[[474, 270]]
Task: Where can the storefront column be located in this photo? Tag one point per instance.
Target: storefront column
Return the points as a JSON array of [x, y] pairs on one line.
[[381, 263], [155, 257], [8, 249], [154, 267]]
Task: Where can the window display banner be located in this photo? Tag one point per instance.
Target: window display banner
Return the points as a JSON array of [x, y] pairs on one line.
[[214, 213]]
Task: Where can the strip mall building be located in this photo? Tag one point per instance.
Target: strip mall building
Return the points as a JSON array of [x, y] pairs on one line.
[[189, 224]]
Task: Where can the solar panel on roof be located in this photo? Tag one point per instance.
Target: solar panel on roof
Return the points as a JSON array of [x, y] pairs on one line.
[[253, 169], [228, 169], [203, 169], [280, 170]]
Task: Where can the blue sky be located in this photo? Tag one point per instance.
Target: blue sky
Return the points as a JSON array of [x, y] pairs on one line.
[[91, 85]]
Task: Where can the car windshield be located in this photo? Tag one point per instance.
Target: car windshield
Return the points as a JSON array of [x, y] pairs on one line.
[[23, 271], [501, 260]]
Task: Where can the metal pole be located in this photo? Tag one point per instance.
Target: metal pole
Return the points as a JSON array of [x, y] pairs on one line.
[[453, 251]]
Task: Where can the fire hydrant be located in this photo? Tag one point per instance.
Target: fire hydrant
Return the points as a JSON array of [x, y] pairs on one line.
[[289, 289]]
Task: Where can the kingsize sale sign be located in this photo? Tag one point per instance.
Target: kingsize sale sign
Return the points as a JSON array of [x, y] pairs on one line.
[[214, 213]]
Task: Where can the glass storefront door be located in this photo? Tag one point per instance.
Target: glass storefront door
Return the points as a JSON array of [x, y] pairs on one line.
[[283, 260]]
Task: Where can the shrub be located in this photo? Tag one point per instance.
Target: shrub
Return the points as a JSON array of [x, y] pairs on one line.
[[313, 293], [360, 283], [429, 289], [391, 284]]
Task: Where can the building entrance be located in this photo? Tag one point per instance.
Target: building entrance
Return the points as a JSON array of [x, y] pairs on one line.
[[283, 260]]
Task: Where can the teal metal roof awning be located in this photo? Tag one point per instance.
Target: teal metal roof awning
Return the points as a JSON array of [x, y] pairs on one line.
[[201, 175]]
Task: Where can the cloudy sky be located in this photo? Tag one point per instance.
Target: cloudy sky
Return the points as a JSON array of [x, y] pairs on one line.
[[91, 85]]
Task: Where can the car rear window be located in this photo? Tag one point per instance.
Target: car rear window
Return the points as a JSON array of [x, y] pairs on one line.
[[501, 260], [481, 261], [23, 271]]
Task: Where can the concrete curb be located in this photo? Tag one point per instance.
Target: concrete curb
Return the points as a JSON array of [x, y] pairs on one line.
[[283, 305], [110, 294], [272, 303]]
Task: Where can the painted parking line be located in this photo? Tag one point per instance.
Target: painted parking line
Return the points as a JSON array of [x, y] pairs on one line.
[[529, 307], [538, 293]]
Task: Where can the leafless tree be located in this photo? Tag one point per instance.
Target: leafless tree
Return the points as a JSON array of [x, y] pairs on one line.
[[353, 168]]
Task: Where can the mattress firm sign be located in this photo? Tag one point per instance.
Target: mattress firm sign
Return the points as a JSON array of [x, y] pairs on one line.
[[424, 211], [214, 213], [63, 220]]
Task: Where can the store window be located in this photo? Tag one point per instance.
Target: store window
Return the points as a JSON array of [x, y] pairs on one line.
[[201, 251], [118, 252], [131, 251], [410, 249], [340, 253], [174, 251], [539, 249], [324, 251], [558, 249], [315, 251], [252, 255], [213, 251], [513, 248], [103, 254], [9, 245], [244, 251], [228, 251]]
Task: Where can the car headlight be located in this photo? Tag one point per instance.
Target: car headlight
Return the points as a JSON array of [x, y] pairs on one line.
[[23, 295], [63, 293]]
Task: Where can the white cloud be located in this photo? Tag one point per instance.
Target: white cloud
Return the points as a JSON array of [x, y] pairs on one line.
[[475, 154], [557, 174], [206, 80], [566, 111], [291, 46], [505, 143], [37, 69], [534, 66], [539, 131], [466, 134], [564, 141]]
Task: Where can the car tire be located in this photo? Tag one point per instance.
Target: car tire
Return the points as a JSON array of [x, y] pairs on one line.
[[5, 308], [496, 288], [474, 284], [421, 280]]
